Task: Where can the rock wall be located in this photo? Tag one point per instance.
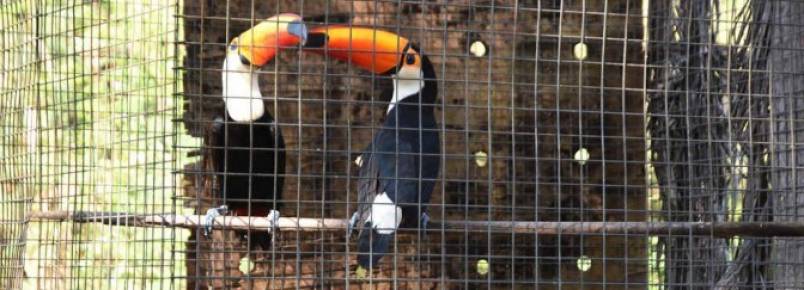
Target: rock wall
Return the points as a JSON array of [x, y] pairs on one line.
[[529, 105]]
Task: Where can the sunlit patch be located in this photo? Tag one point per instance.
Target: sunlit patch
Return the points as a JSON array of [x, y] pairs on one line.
[[581, 51], [584, 263], [478, 48], [246, 265], [482, 266], [581, 156], [360, 272], [481, 158]]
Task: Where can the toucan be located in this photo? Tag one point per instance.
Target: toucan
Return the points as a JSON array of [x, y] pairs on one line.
[[246, 144], [398, 169]]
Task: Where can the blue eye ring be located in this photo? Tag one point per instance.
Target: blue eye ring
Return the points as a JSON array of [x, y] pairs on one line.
[[410, 58]]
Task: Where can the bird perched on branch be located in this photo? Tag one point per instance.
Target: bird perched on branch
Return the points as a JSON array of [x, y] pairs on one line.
[[399, 167], [248, 148]]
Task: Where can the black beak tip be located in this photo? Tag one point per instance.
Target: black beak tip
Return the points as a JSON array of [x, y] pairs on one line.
[[316, 40]]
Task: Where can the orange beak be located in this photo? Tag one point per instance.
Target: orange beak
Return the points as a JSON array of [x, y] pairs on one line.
[[374, 50], [260, 44]]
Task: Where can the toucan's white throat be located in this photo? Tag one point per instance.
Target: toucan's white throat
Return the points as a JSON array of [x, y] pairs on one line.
[[241, 90], [408, 82]]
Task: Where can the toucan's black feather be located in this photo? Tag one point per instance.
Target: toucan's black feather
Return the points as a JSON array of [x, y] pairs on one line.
[[402, 161], [250, 163], [372, 246]]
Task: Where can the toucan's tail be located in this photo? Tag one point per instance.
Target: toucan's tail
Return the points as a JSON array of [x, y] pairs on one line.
[[372, 246], [259, 239], [254, 238]]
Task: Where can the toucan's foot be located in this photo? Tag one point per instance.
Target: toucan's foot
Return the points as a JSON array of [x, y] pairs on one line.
[[425, 220], [352, 223], [209, 218], [273, 218], [217, 124]]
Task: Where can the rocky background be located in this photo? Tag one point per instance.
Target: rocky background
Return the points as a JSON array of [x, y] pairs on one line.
[[524, 111]]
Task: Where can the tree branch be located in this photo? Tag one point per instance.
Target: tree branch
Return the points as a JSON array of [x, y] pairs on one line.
[[712, 229]]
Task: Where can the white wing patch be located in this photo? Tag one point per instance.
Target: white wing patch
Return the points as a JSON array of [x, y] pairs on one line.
[[385, 216], [241, 91]]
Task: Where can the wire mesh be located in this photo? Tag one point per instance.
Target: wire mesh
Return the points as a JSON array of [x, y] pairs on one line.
[[87, 103], [589, 144]]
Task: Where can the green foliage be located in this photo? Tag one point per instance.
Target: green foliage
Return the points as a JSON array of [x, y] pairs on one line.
[[105, 141]]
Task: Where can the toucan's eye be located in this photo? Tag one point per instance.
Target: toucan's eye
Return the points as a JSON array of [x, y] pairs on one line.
[[233, 46], [410, 58]]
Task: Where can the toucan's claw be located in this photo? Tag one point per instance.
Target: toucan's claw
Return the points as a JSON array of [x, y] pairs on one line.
[[217, 124], [209, 218], [273, 217], [352, 223], [424, 222]]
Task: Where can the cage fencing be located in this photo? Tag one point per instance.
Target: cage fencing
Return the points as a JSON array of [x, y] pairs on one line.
[[586, 144]]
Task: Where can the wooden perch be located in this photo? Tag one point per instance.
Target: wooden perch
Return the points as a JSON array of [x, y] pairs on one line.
[[719, 229]]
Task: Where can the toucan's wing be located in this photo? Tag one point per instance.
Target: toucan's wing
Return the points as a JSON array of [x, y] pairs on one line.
[[367, 184], [389, 166], [399, 171]]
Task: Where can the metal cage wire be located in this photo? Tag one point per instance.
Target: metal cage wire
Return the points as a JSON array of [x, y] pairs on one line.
[[587, 144]]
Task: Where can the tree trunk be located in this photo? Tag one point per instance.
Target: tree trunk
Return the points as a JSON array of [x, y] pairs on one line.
[[787, 64]]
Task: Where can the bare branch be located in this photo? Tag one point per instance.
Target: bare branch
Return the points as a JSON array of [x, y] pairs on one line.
[[717, 229]]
